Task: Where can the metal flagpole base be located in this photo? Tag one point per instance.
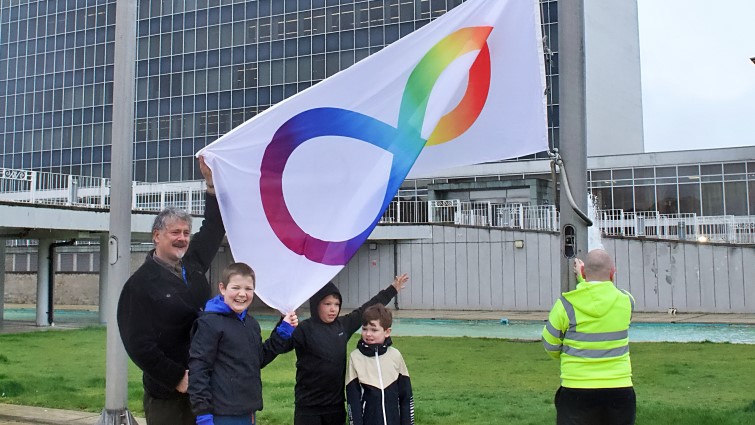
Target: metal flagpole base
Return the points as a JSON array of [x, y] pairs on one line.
[[116, 417]]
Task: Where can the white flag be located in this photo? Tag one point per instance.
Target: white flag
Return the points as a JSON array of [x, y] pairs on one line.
[[302, 185]]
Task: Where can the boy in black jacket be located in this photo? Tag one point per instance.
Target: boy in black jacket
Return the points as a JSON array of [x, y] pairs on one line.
[[378, 389], [320, 344], [227, 353]]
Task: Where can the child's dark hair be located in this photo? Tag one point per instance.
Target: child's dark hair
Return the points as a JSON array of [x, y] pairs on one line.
[[237, 269], [378, 312]]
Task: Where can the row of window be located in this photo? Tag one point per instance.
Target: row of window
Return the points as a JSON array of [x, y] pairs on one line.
[[74, 21], [56, 138], [52, 105], [671, 174], [18, 9], [65, 262], [43, 82], [59, 157], [197, 49], [709, 199]]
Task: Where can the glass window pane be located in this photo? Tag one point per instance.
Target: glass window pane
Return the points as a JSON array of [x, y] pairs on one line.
[[689, 198], [710, 169], [623, 198], [603, 198], [713, 198], [644, 198], [736, 198], [666, 196]]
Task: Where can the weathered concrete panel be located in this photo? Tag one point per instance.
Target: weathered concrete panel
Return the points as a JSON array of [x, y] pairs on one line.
[[650, 275], [463, 245], [484, 281], [721, 279], [498, 275], [692, 277], [707, 282], [663, 274], [676, 275], [748, 270], [736, 280]]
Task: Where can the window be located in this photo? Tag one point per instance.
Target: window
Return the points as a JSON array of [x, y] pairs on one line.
[[712, 198]]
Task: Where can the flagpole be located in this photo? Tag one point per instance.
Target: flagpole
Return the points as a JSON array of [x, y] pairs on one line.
[[119, 243], [573, 135]]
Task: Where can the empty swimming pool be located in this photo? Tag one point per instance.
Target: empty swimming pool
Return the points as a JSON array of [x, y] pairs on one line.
[[525, 330]]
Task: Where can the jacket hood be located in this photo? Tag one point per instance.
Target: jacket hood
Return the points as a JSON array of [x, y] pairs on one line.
[[594, 298], [314, 302], [217, 305]]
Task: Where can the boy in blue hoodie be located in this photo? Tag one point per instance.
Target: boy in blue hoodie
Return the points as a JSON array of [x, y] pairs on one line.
[[227, 353]]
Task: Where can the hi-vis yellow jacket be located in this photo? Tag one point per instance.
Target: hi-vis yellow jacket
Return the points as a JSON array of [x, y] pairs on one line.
[[587, 329]]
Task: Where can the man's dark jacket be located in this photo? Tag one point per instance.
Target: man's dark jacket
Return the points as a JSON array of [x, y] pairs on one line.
[[321, 354], [156, 308]]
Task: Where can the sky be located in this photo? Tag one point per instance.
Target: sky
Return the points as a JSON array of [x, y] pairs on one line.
[[698, 83]]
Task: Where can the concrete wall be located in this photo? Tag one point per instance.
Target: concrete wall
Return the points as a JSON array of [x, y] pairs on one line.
[[468, 268]]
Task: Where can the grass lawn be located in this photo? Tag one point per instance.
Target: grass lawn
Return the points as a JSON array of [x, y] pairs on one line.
[[455, 380]]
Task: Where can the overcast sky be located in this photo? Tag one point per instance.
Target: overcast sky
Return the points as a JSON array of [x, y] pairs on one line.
[[698, 83]]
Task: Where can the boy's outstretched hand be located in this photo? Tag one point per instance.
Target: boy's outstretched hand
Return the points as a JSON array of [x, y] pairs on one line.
[[291, 319], [400, 281]]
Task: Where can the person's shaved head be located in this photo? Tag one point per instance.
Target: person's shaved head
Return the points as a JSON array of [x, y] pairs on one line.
[[599, 266]]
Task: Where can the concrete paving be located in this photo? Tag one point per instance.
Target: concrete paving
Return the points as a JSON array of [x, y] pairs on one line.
[[29, 415]]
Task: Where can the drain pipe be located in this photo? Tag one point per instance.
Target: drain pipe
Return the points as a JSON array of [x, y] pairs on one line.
[[51, 278], [395, 270]]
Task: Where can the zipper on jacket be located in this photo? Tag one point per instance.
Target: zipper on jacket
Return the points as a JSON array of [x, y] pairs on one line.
[[382, 386]]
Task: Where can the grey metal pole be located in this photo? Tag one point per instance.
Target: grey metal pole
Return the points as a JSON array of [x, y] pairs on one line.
[[43, 272], [103, 278], [2, 279], [573, 133], [119, 242]]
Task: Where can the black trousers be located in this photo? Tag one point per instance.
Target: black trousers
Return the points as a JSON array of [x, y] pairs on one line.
[[325, 419], [174, 411], [601, 406]]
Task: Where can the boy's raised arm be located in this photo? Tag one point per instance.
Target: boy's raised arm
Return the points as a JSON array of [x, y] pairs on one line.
[[353, 320]]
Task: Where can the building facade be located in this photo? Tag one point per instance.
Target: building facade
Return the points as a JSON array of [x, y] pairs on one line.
[[205, 67]]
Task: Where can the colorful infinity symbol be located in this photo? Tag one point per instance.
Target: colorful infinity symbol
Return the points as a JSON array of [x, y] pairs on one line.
[[404, 141]]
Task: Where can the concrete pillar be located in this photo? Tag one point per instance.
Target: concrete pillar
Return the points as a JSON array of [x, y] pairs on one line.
[[2, 279], [104, 268], [43, 274]]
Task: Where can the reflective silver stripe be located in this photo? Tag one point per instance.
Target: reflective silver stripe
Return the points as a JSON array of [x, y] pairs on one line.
[[569, 308], [551, 347], [631, 300], [596, 337], [589, 337], [553, 331], [595, 354]]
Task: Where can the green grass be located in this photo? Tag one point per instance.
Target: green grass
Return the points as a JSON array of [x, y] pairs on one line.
[[456, 380]]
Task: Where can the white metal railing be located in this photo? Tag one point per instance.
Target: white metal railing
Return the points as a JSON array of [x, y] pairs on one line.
[[94, 192], [685, 226]]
